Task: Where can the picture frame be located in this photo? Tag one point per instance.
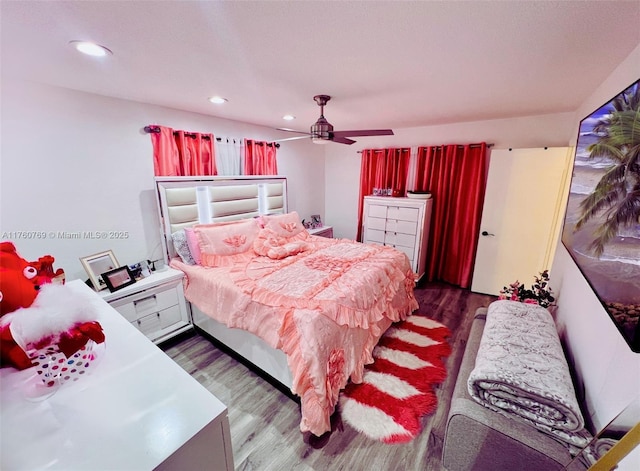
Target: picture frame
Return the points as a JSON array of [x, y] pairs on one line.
[[118, 278], [316, 221], [97, 264], [605, 246]]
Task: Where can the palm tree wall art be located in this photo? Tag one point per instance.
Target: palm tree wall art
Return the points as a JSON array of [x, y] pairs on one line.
[[602, 222]]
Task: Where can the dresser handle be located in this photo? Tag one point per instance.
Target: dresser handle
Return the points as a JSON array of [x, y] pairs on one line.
[[135, 303]]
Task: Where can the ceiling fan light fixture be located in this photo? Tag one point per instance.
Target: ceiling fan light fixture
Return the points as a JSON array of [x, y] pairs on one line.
[[91, 49], [217, 100], [322, 131]]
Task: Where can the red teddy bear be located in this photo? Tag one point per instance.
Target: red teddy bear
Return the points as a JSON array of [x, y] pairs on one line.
[[18, 280], [35, 311]]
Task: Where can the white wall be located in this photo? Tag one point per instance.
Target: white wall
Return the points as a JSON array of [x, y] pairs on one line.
[[75, 161], [343, 162], [609, 372]]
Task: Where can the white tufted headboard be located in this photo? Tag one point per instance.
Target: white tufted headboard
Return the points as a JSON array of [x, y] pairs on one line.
[[185, 201]]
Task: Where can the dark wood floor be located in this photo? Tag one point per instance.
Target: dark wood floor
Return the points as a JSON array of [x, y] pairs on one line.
[[264, 422]]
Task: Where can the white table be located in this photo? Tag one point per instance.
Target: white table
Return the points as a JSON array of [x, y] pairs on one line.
[[138, 410], [323, 231]]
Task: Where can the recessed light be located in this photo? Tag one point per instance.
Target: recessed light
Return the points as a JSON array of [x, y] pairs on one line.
[[218, 100], [91, 49], [288, 117]]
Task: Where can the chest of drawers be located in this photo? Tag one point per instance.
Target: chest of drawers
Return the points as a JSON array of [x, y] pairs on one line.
[[154, 305], [402, 223]]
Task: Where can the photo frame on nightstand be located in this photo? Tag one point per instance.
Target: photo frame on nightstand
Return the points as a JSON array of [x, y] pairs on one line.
[[118, 278], [316, 221], [97, 264]]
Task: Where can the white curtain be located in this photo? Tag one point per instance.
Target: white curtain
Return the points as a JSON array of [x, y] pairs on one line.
[[413, 163], [229, 153]]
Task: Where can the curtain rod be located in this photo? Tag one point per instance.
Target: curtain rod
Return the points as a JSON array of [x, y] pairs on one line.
[[440, 147], [150, 129]]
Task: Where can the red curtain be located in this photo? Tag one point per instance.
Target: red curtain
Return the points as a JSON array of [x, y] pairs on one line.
[[382, 168], [260, 158], [180, 153], [456, 177]]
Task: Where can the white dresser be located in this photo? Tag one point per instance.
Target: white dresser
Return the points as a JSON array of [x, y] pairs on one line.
[[402, 223], [137, 410]]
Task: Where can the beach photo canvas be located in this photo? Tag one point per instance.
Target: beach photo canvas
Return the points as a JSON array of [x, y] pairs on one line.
[[602, 222]]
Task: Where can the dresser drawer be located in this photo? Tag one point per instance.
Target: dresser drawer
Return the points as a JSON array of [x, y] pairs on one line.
[[146, 303], [396, 238], [404, 214], [374, 235], [148, 324], [377, 223], [408, 251], [377, 211], [405, 227], [156, 321]]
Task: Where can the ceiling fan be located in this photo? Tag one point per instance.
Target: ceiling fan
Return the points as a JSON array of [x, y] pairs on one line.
[[322, 131]]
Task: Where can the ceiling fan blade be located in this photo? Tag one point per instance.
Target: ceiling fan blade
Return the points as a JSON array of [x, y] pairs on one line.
[[364, 132], [293, 130], [341, 140], [293, 138]]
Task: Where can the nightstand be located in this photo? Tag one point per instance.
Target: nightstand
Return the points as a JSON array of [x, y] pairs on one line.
[[155, 305], [324, 231]]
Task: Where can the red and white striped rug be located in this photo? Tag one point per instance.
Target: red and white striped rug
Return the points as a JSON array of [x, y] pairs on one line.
[[397, 390]]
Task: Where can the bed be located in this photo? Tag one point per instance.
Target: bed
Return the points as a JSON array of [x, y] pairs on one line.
[[304, 309]]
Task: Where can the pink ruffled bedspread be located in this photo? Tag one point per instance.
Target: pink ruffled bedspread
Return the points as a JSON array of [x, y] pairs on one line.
[[326, 308]]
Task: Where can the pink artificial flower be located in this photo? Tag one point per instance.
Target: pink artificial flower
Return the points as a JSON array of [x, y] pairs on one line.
[[530, 301]]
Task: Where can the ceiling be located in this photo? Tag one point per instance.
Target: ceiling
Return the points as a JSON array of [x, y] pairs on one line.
[[386, 64]]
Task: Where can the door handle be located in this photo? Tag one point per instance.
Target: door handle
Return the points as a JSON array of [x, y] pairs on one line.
[[485, 233]]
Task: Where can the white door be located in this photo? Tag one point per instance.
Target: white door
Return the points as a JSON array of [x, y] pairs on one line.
[[522, 216]]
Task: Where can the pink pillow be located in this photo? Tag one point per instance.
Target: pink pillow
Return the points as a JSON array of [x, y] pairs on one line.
[[285, 225], [192, 243], [268, 240], [287, 250], [226, 243]]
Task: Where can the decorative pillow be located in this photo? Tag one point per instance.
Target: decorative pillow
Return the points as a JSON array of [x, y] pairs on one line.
[[284, 225], [286, 250], [226, 243], [182, 248], [194, 247], [268, 240]]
